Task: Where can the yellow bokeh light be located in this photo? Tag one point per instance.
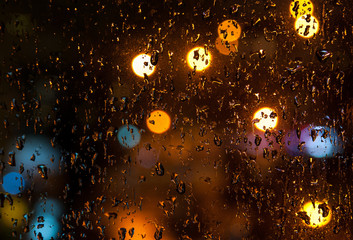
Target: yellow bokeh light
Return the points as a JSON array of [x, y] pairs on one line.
[[141, 65], [301, 7], [229, 30], [158, 122], [265, 118], [225, 47], [199, 59], [10, 213], [307, 26], [319, 216]]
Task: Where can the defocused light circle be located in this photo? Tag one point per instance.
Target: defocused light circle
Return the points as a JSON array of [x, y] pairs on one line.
[[37, 150], [225, 47], [9, 213], [13, 183], [301, 7], [325, 144], [198, 59], [141, 65], [314, 141], [129, 136], [49, 206], [229, 30], [307, 26], [318, 217], [265, 118], [158, 122], [48, 228]]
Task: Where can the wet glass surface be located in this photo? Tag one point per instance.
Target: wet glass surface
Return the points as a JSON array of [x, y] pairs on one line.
[[176, 119]]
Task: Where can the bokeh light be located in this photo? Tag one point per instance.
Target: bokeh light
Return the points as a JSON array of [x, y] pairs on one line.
[[129, 136], [141, 65], [314, 141], [38, 150], [13, 183], [45, 225], [307, 26], [135, 226], [225, 47], [318, 214], [122, 118], [301, 7], [49, 206], [320, 142], [229, 30], [265, 118], [199, 59], [11, 213], [158, 122]]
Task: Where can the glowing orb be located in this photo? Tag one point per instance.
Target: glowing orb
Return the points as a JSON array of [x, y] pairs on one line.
[[13, 183], [158, 122], [225, 47], [142, 65], [50, 207], [38, 150], [229, 30], [301, 7], [265, 118], [45, 225], [15, 212], [307, 26], [318, 215], [129, 136], [320, 142], [198, 59], [314, 141]]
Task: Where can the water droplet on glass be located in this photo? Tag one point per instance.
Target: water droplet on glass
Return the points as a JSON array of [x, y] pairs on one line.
[[258, 140], [181, 187], [12, 161], [43, 171], [122, 233], [323, 54], [159, 169]]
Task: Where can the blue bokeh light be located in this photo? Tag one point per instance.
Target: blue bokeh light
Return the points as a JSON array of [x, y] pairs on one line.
[[49, 206], [37, 149], [129, 136], [45, 224], [314, 141], [13, 183]]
